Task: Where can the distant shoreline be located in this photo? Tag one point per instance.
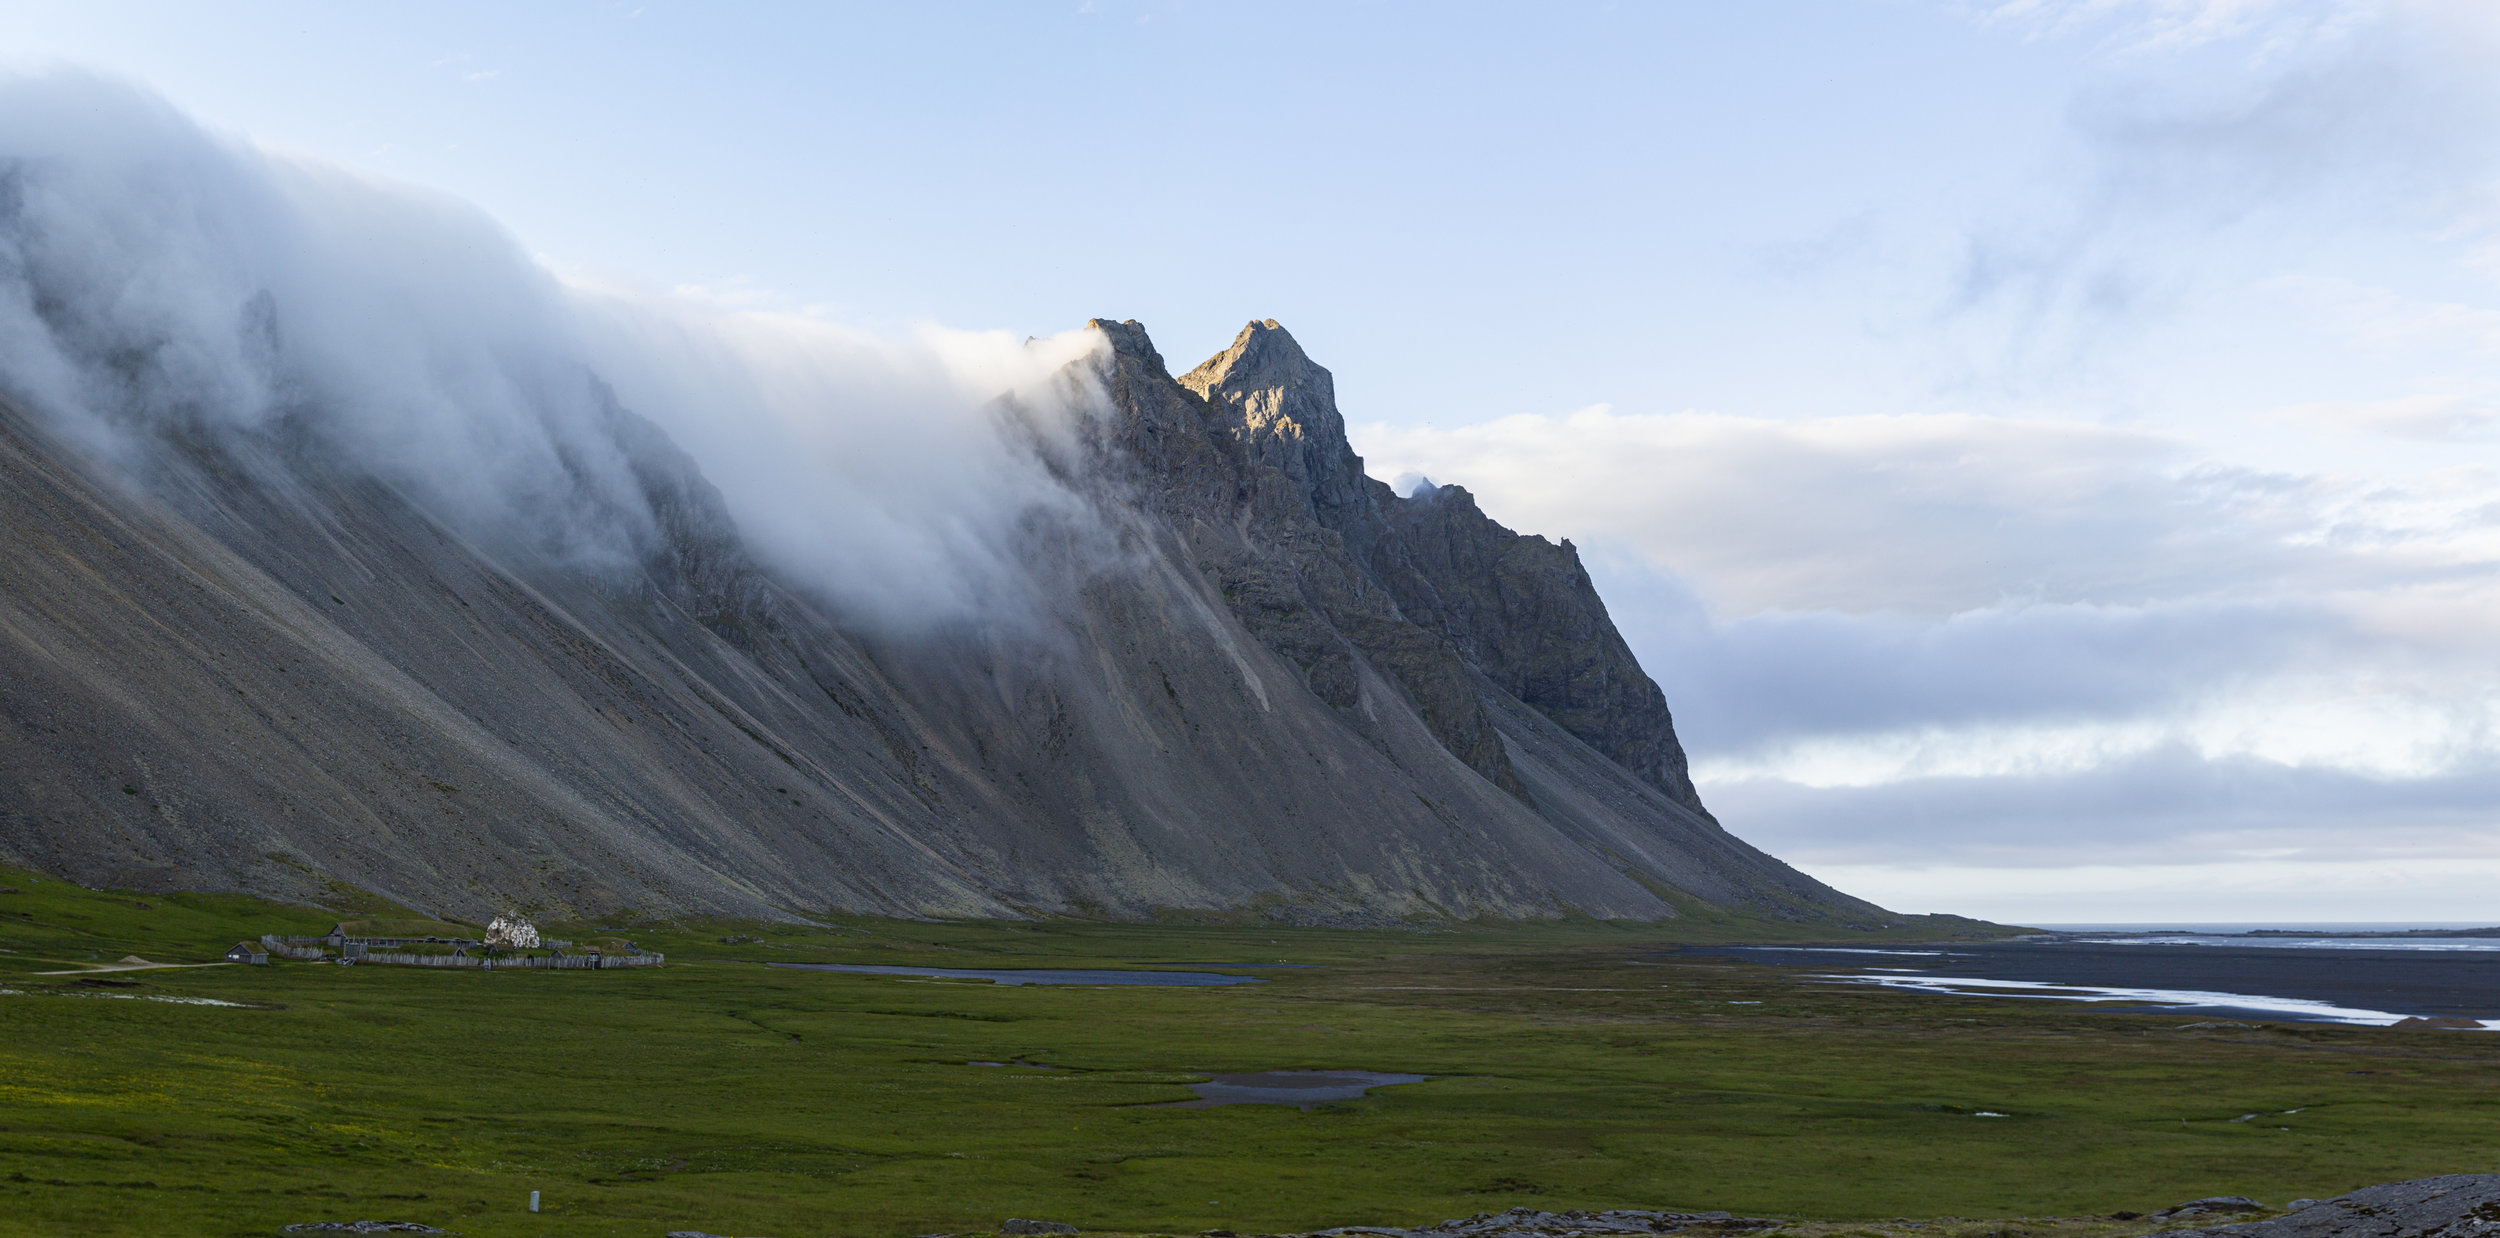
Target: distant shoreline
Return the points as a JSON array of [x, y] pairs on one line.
[[2279, 976], [2346, 934], [2245, 929]]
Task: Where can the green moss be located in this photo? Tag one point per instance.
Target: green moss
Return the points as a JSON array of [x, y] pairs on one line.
[[1574, 1065]]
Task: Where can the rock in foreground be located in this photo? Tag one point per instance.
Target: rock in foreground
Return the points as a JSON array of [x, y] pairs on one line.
[[2213, 1203], [362, 1227], [2453, 1206]]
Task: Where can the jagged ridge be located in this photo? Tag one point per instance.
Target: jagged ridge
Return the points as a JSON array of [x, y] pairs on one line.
[[1296, 695], [1518, 609]]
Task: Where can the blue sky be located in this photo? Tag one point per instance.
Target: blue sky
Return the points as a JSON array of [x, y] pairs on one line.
[[2043, 447]]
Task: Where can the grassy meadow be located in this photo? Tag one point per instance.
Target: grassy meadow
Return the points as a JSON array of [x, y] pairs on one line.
[[1586, 1065]]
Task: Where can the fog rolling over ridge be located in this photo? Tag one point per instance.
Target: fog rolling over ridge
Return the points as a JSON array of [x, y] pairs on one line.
[[345, 544], [164, 280]]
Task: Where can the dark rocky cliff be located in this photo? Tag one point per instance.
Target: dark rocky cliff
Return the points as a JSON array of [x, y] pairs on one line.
[[1290, 693], [1517, 609]]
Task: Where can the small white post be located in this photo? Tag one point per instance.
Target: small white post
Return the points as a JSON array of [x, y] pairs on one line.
[[533, 1201]]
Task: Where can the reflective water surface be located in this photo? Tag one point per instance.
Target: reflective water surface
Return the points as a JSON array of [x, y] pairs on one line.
[[1290, 1087], [1035, 975], [2322, 978]]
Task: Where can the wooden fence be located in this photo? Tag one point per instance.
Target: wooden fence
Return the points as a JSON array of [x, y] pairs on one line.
[[577, 962], [573, 962]]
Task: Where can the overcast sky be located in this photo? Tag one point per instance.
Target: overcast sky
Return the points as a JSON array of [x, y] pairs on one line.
[[2043, 447]]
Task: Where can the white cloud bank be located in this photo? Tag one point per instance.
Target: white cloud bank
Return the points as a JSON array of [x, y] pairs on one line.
[[2198, 611], [157, 279], [1900, 645]]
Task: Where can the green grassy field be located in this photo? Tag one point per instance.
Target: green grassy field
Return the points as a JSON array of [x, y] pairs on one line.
[[1574, 1066]]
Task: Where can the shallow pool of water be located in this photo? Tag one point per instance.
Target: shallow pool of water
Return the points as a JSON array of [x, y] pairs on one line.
[[1304, 1088], [1035, 975], [2170, 1001], [2322, 979]]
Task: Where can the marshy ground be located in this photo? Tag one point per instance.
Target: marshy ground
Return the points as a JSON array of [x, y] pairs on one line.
[[1572, 1066]]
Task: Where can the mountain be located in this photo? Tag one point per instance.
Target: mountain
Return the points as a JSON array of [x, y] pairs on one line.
[[1249, 680]]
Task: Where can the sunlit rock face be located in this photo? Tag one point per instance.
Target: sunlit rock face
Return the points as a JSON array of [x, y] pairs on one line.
[[1242, 677]]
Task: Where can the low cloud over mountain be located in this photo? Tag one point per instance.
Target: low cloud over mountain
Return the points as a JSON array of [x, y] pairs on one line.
[[345, 544]]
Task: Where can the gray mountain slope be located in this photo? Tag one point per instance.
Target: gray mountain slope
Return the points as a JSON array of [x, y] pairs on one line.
[[1519, 609], [256, 668]]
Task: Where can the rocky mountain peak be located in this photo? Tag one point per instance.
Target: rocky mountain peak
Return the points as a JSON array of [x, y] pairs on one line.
[[1296, 695], [1128, 339], [1283, 409], [1263, 357], [1514, 608]]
